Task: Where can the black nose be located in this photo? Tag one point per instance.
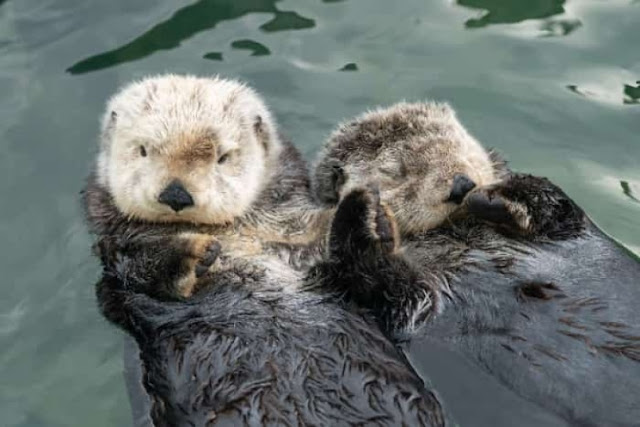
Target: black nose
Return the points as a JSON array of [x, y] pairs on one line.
[[461, 186], [176, 196]]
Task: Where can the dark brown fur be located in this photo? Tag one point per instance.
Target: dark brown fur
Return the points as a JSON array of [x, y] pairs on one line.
[[531, 307], [247, 353]]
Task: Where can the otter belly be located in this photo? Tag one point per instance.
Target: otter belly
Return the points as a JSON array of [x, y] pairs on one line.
[[238, 357], [560, 327]]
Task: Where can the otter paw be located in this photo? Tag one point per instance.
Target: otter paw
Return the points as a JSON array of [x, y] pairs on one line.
[[363, 222], [386, 228], [489, 204], [209, 256], [202, 251]]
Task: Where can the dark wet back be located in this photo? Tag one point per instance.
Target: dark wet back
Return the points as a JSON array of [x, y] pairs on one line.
[[551, 326]]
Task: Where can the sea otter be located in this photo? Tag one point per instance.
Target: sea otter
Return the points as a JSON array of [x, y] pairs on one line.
[[201, 160], [194, 201], [528, 288]]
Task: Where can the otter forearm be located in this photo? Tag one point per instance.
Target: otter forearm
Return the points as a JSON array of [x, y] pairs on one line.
[[400, 299], [366, 269], [153, 264], [530, 206]]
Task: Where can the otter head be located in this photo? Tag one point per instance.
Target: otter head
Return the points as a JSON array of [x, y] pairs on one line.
[[419, 155], [181, 148]]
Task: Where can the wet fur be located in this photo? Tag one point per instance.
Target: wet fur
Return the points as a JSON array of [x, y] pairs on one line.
[[551, 313], [249, 352], [524, 285], [165, 253], [412, 151], [226, 334]]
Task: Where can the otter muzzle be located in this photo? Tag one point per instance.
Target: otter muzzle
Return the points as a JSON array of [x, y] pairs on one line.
[[176, 196]]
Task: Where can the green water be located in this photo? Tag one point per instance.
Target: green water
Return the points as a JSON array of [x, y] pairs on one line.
[[554, 85]]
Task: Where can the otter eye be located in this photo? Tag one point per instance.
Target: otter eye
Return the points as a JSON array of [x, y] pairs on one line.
[[143, 151], [222, 159]]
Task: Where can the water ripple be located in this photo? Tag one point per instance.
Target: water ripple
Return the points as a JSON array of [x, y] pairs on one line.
[[186, 22]]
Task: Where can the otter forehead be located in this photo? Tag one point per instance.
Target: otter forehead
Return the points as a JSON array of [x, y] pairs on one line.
[[401, 129], [160, 109]]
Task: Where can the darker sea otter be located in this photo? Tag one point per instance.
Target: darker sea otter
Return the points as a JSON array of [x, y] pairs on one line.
[[527, 287]]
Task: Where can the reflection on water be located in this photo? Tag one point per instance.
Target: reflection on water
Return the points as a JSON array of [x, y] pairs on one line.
[[503, 82], [626, 189], [288, 21], [214, 56], [351, 66], [575, 89], [561, 27], [632, 93], [256, 48], [201, 16], [511, 11]]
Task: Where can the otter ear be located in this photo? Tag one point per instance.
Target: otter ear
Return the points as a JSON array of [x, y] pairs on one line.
[[261, 131], [110, 124], [330, 178]]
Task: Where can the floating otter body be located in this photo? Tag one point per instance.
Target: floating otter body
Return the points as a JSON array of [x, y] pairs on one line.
[[212, 290], [525, 285], [552, 314], [247, 351], [189, 167]]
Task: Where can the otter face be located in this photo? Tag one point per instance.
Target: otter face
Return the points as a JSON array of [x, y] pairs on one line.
[[180, 148], [420, 156]]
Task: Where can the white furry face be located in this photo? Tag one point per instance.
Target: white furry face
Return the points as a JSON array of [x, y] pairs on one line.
[[213, 139], [414, 153]]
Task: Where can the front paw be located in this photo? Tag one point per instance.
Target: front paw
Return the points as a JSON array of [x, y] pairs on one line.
[[202, 252], [363, 223], [491, 204], [207, 258]]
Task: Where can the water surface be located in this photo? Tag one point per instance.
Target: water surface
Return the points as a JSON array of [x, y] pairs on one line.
[[552, 84]]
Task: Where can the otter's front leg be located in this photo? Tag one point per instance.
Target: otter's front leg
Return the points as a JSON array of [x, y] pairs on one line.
[[366, 266], [362, 225], [527, 205], [161, 266]]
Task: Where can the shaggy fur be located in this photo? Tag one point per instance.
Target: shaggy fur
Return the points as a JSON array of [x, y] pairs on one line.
[[212, 292], [248, 353], [214, 136], [253, 207], [414, 153], [529, 289]]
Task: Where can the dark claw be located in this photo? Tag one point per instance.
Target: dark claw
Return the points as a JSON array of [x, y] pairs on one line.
[[212, 253], [201, 270], [493, 210], [462, 184], [210, 256]]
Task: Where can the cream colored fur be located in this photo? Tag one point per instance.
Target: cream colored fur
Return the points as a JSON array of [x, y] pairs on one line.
[[185, 125], [412, 151]]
